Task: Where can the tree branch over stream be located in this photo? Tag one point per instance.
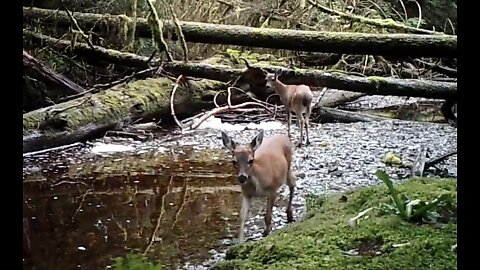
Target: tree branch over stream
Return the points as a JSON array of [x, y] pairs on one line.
[[298, 40], [335, 80]]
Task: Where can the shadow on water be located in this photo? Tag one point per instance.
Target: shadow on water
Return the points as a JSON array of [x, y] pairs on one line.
[[80, 212]]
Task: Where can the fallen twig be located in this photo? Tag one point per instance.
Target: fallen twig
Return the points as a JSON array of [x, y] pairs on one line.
[[128, 134], [172, 96], [439, 159], [63, 147], [52, 111], [215, 111]]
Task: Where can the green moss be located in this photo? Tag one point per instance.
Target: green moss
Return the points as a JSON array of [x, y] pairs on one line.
[[135, 261], [392, 159], [323, 240], [113, 104], [376, 80]]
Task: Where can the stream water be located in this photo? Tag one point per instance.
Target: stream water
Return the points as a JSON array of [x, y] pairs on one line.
[[176, 197]]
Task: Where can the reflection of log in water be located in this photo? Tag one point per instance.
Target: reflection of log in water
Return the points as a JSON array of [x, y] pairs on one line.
[[182, 202], [26, 237], [162, 210], [201, 210], [150, 192]]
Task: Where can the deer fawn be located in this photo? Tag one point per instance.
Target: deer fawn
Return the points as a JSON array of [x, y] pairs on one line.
[[263, 166], [295, 98]]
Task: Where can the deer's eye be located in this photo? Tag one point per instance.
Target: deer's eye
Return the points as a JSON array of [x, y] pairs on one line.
[[234, 162], [250, 161]]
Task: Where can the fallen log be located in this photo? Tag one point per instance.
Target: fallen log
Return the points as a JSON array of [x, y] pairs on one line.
[[332, 115], [332, 98], [44, 72], [298, 40], [86, 117], [334, 80]]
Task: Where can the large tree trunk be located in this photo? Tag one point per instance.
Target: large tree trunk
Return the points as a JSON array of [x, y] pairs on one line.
[[89, 116], [367, 85], [298, 40]]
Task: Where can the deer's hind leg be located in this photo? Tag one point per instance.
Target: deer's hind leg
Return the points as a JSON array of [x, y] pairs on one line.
[[268, 214], [291, 185]]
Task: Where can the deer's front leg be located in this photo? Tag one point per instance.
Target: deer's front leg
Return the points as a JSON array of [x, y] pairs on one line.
[[288, 123], [246, 202], [268, 214]]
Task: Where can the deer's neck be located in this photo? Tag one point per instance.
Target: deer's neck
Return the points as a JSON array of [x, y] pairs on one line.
[[282, 90], [254, 188]]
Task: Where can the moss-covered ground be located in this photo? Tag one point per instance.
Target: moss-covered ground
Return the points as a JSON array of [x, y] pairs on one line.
[[380, 241]]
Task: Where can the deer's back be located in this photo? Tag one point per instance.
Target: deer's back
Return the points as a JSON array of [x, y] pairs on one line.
[[300, 97], [276, 146]]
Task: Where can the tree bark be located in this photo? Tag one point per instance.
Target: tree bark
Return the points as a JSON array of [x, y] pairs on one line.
[[44, 72], [367, 85], [131, 12], [332, 115], [86, 117], [333, 98], [298, 40]]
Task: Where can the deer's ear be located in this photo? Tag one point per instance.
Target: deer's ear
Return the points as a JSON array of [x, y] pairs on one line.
[[227, 142], [257, 141], [278, 72], [265, 73]]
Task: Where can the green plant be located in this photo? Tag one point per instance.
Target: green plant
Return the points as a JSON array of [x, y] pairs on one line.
[[411, 210], [314, 201], [135, 261]]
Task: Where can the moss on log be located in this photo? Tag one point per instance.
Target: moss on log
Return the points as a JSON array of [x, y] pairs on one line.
[[298, 40], [86, 117], [334, 80]]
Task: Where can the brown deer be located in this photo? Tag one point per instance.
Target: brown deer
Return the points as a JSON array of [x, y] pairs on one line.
[[295, 98], [263, 166]]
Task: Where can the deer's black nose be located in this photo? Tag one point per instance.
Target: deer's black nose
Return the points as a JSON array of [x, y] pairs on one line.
[[242, 179]]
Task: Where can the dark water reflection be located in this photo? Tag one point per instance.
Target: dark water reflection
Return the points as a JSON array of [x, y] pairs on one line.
[[78, 217]]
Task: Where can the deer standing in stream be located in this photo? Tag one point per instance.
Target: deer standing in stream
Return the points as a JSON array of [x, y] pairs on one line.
[[263, 166], [295, 98]]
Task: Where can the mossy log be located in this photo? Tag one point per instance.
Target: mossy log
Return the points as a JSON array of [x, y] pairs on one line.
[[334, 98], [86, 117], [298, 40], [46, 74], [332, 115], [334, 80]]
